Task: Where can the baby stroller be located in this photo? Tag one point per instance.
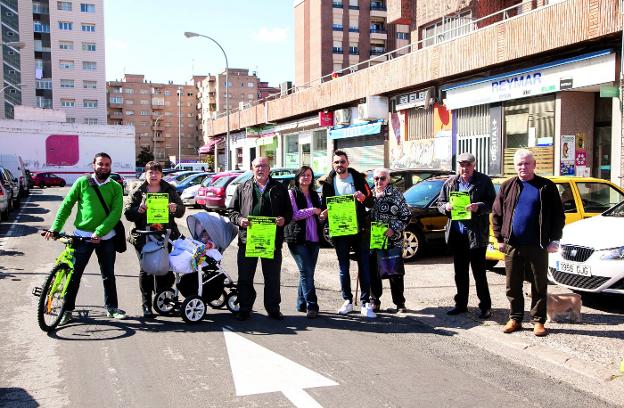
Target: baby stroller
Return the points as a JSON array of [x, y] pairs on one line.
[[199, 277]]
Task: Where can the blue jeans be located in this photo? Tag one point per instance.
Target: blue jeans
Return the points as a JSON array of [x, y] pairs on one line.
[[359, 243], [106, 255], [305, 256]]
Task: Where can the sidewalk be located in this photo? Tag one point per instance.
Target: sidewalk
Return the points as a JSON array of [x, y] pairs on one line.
[[586, 355]]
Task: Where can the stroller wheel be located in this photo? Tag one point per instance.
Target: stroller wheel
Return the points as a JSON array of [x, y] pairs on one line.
[[231, 302], [219, 302], [193, 309], [164, 302]]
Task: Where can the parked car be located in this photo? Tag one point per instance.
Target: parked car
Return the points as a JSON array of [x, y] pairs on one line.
[[215, 194], [122, 182], [582, 197], [48, 180], [11, 183], [190, 180], [192, 166], [5, 203], [175, 178], [189, 196], [15, 165], [200, 198], [278, 171], [403, 179], [591, 254]]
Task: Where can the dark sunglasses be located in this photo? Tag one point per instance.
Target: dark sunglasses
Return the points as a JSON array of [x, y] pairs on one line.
[[380, 178]]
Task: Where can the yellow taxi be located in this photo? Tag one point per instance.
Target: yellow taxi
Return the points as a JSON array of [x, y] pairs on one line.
[[582, 197]]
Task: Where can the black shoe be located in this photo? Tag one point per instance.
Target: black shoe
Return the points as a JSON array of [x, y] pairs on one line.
[[485, 314], [276, 315], [377, 307], [401, 308], [241, 316], [456, 310], [312, 314], [147, 312]]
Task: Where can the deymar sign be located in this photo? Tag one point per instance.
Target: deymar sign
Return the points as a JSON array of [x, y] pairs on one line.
[[584, 70]]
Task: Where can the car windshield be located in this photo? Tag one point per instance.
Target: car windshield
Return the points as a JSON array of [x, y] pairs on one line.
[[422, 194], [598, 197], [616, 211], [222, 181]]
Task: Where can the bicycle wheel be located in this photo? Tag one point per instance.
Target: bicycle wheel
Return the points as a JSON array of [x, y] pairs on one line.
[[51, 304]]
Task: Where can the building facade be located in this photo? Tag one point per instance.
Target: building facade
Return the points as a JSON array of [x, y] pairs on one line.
[[58, 60], [331, 36], [165, 116]]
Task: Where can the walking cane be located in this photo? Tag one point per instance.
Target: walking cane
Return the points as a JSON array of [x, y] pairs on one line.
[[357, 281]]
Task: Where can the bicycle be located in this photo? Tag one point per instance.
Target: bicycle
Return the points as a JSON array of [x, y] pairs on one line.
[[51, 304]]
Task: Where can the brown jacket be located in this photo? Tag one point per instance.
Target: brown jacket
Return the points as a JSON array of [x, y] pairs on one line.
[[551, 217]]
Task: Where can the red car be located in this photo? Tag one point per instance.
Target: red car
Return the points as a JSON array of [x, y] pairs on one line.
[[47, 180], [200, 199], [215, 194]]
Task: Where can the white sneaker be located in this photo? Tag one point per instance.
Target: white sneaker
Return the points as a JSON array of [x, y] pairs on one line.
[[347, 307], [367, 311]]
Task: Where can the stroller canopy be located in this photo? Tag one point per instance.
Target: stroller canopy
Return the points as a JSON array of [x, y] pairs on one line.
[[222, 232]]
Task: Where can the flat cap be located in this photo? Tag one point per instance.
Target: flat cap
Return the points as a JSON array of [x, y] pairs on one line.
[[466, 157]]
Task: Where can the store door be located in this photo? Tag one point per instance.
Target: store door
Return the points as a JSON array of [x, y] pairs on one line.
[[305, 154], [602, 153]]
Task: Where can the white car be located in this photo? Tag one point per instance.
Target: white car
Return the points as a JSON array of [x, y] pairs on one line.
[[4, 203], [189, 194], [591, 254]]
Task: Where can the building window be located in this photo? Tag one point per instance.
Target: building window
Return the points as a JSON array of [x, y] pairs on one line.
[[402, 36], [67, 83], [87, 8], [144, 113], [90, 121], [90, 28], [354, 29], [71, 120], [88, 46], [66, 64], [337, 27], [90, 103], [128, 90], [167, 93], [116, 100], [129, 102], [68, 103], [89, 84], [144, 101], [129, 113], [353, 5], [337, 47], [65, 25], [353, 49], [89, 65], [250, 84], [449, 27], [66, 45], [64, 5]]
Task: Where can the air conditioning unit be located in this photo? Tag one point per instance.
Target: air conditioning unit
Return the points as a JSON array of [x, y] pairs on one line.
[[342, 117], [375, 108]]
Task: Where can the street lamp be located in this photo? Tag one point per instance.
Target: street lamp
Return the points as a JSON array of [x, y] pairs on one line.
[[188, 34], [179, 126]]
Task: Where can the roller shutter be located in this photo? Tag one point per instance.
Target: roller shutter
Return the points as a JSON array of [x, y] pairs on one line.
[[365, 152]]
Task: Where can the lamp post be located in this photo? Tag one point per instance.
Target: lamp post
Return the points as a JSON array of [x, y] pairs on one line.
[[189, 34], [179, 126]]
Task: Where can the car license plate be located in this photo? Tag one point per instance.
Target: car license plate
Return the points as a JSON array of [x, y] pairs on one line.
[[574, 268]]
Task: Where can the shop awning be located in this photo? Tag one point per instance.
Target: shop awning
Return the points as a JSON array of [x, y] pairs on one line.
[[363, 129], [209, 147]]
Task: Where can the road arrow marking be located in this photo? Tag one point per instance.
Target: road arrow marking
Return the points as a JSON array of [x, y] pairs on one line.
[[258, 370]]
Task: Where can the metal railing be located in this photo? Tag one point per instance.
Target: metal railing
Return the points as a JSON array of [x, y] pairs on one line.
[[499, 16]]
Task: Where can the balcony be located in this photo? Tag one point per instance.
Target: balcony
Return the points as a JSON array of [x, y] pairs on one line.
[[378, 6], [38, 8], [41, 28], [44, 103], [43, 84], [377, 50]]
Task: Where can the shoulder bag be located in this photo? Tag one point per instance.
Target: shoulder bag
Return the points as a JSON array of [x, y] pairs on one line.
[[119, 240]]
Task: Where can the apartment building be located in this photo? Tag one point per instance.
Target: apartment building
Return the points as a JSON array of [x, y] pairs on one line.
[[57, 59], [331, 36], [165, 116]]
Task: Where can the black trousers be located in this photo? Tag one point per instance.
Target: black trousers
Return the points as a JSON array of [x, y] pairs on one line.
[[534, 260], [463, 258], [271, 270], [397, 286]]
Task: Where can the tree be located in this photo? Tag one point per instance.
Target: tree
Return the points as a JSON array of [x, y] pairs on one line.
[[145, 155]]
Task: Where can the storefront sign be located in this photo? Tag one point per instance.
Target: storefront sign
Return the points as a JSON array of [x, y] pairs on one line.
[[415, 99], [581, 71], [265, 140], [495, 165], [326, 118], [355, 130], [609, 91]]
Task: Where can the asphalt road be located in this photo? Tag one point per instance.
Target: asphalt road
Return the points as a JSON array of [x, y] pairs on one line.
[[332, 361]]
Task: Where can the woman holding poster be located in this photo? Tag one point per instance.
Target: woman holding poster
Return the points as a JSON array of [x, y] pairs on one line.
[[391, 211], [302, 236], [154, 204]]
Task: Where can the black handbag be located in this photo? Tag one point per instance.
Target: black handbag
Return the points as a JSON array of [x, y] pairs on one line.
[[390, 262], [119, 240]]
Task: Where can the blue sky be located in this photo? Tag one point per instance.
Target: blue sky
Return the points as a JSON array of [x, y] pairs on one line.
[[147, 37]]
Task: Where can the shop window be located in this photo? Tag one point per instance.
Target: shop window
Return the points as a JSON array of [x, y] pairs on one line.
[[291, 151], [320, 163]]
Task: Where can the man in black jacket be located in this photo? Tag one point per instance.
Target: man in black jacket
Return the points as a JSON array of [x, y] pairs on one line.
[[528, 220], [261, 196], [343, 180], [468, 239]]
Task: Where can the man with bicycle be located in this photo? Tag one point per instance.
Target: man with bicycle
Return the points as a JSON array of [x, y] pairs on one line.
[[93, 221]]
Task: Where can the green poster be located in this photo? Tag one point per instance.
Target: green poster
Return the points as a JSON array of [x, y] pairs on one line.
[[460, 200], [342, 216], [378, 238], [157, 208], [260, 237]]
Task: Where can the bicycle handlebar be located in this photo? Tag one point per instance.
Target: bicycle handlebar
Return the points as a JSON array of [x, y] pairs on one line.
[[59, 235]]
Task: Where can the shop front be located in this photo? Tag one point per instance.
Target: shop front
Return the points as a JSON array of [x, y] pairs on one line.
[[364, 144], [548, 109], [420, 132], [304, 143]]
